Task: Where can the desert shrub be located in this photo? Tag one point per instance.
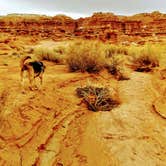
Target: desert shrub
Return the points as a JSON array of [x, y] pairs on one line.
[[111, 50], [85, 56], [121, 49], [96, 98], [134, 51], [115, 67], [55, 53], [161, 49], [145, 59]]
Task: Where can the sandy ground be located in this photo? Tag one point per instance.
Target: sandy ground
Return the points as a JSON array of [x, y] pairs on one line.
[[51, 127]]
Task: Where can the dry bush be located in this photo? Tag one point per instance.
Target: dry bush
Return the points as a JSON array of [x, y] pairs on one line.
[[134, 50], [97, 98], [93, 56], [86, 56], [112, 50], [162, 58], [54, 53], [146, 58], [116, 56], [116, 67]]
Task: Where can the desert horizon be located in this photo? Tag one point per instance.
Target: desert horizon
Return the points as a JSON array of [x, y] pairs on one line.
[[77, 16], [82, 16], [77, 9]]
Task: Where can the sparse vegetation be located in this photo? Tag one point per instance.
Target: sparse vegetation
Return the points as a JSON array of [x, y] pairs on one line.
[[116, 68], [97, 98], [86, 56], [53, 52], [111, 50], [146, 58], [93, 56]]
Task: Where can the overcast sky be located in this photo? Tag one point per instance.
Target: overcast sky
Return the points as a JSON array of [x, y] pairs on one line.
[[81, 8]]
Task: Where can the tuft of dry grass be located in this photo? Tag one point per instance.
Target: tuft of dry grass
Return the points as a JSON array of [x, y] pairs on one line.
[[93, 56], [145, 58], [111, 50], [51, 52], [115, 66], [85, 56], [97, 98]]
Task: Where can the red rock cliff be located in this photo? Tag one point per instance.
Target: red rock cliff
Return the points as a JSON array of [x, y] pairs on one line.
[[103, 26]]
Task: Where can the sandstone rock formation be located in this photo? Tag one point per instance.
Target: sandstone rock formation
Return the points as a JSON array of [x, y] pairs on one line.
[[57, 26], [103, 26]]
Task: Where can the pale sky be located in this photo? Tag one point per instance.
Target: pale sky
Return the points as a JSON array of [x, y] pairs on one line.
[[80, 8]]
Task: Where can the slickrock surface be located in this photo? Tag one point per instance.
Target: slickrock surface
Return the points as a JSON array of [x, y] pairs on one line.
[[51, 127]]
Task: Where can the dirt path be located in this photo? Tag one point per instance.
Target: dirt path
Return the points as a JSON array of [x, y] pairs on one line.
[[130, 135], [49, 127]]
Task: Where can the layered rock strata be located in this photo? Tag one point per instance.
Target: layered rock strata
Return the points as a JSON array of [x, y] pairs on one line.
[[103, 26]]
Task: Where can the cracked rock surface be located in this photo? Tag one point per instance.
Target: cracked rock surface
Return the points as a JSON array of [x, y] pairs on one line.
[[51, 127]]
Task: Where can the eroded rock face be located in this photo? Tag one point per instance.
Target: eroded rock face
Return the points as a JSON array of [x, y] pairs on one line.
[[59, 26], [102, 26]]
